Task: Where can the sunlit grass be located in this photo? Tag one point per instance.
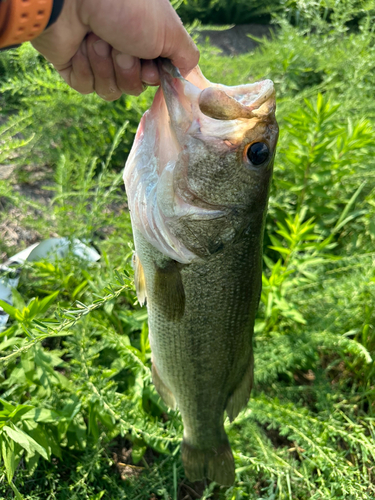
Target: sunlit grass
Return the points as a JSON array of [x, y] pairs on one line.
[[84, 368]]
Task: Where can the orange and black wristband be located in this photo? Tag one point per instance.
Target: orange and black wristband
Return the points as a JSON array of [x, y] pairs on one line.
[[24, 20]]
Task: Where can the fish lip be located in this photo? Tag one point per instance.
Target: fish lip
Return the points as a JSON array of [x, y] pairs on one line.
[[267, 91], [249, 97], [166, 66]]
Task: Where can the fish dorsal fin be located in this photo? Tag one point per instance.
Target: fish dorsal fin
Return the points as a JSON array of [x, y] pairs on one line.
[[139, 280]]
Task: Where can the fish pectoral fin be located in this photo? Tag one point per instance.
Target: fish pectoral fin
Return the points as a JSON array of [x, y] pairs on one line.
[[169, 291], [241, 394], [162, 389], [215, 463], [139, 280]]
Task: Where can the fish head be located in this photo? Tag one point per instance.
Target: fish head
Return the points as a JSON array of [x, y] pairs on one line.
[[225, 138], [204, 153]]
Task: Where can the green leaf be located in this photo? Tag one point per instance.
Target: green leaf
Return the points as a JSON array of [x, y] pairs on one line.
[[120, 278], [18, 300], [39, 434], [105, 418], [93, 424], [43, 415], [7, 452], [45, 303], [98, 496], [16, 492], [145, 345], [138, 452], [24, 440], [7, 406], [349, 205], [79, 288], [12, 311], [10, 342], [32, 308], [32, 462], [18, 412], [282, 250]]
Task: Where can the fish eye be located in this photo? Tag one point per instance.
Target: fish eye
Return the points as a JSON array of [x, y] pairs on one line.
[[258, 153]]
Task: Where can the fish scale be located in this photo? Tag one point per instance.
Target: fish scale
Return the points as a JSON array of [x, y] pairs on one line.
[[202, 369], [199, 263]]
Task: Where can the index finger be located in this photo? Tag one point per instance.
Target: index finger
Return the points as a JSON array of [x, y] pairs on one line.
[[146, 29], [180, 47]]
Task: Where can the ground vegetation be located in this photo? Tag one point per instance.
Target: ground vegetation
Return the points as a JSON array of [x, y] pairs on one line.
[[79, 416]]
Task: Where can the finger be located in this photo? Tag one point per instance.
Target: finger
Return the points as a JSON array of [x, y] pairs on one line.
[[81, 77], [149, 72], [128, 73], [100, 57], [179, 47], [146, 29]]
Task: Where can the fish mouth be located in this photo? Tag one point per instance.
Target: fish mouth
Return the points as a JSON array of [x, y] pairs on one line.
[[197, 96]]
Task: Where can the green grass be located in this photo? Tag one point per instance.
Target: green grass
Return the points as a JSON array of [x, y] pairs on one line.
[[224, 12], [75, 361]]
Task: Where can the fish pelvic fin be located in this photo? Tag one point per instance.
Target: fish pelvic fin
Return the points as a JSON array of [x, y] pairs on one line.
[[139, 280], [241, 394], [170, 291], [216, 463], [162, 389]]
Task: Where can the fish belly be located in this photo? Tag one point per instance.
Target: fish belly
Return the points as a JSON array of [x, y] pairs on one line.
[[203, 358]]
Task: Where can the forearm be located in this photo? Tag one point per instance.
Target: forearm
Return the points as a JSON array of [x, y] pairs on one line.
[[24, 20]]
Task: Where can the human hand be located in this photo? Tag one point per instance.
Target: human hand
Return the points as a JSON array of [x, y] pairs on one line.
[[108, 46]]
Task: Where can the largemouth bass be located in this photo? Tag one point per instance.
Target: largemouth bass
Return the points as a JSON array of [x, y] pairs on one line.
[[197, 181]]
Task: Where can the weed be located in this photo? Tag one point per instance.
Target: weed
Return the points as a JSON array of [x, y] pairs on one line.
[[80, 417]]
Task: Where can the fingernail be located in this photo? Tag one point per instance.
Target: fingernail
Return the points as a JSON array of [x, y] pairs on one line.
[[125, 61], [102, 48], [151, 81]]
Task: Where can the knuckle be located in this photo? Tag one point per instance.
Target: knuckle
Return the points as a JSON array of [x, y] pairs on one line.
[[85, 73], [129, 86], [102, 71], [83, 87]]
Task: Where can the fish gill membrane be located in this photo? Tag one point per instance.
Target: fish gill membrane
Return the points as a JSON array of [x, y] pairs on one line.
[[197, 181]]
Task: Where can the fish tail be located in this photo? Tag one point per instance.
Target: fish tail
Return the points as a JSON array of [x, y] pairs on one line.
[[216, 463]]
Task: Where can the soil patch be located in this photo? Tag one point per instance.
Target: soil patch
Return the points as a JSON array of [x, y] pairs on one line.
[[236, 40]]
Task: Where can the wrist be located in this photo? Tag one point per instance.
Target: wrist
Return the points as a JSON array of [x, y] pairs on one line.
[[25, 20], [57, 6]]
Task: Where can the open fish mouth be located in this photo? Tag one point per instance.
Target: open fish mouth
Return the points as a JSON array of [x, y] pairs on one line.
[[197, 96]]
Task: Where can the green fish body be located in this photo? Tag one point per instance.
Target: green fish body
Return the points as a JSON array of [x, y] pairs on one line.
[[198, 181]]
